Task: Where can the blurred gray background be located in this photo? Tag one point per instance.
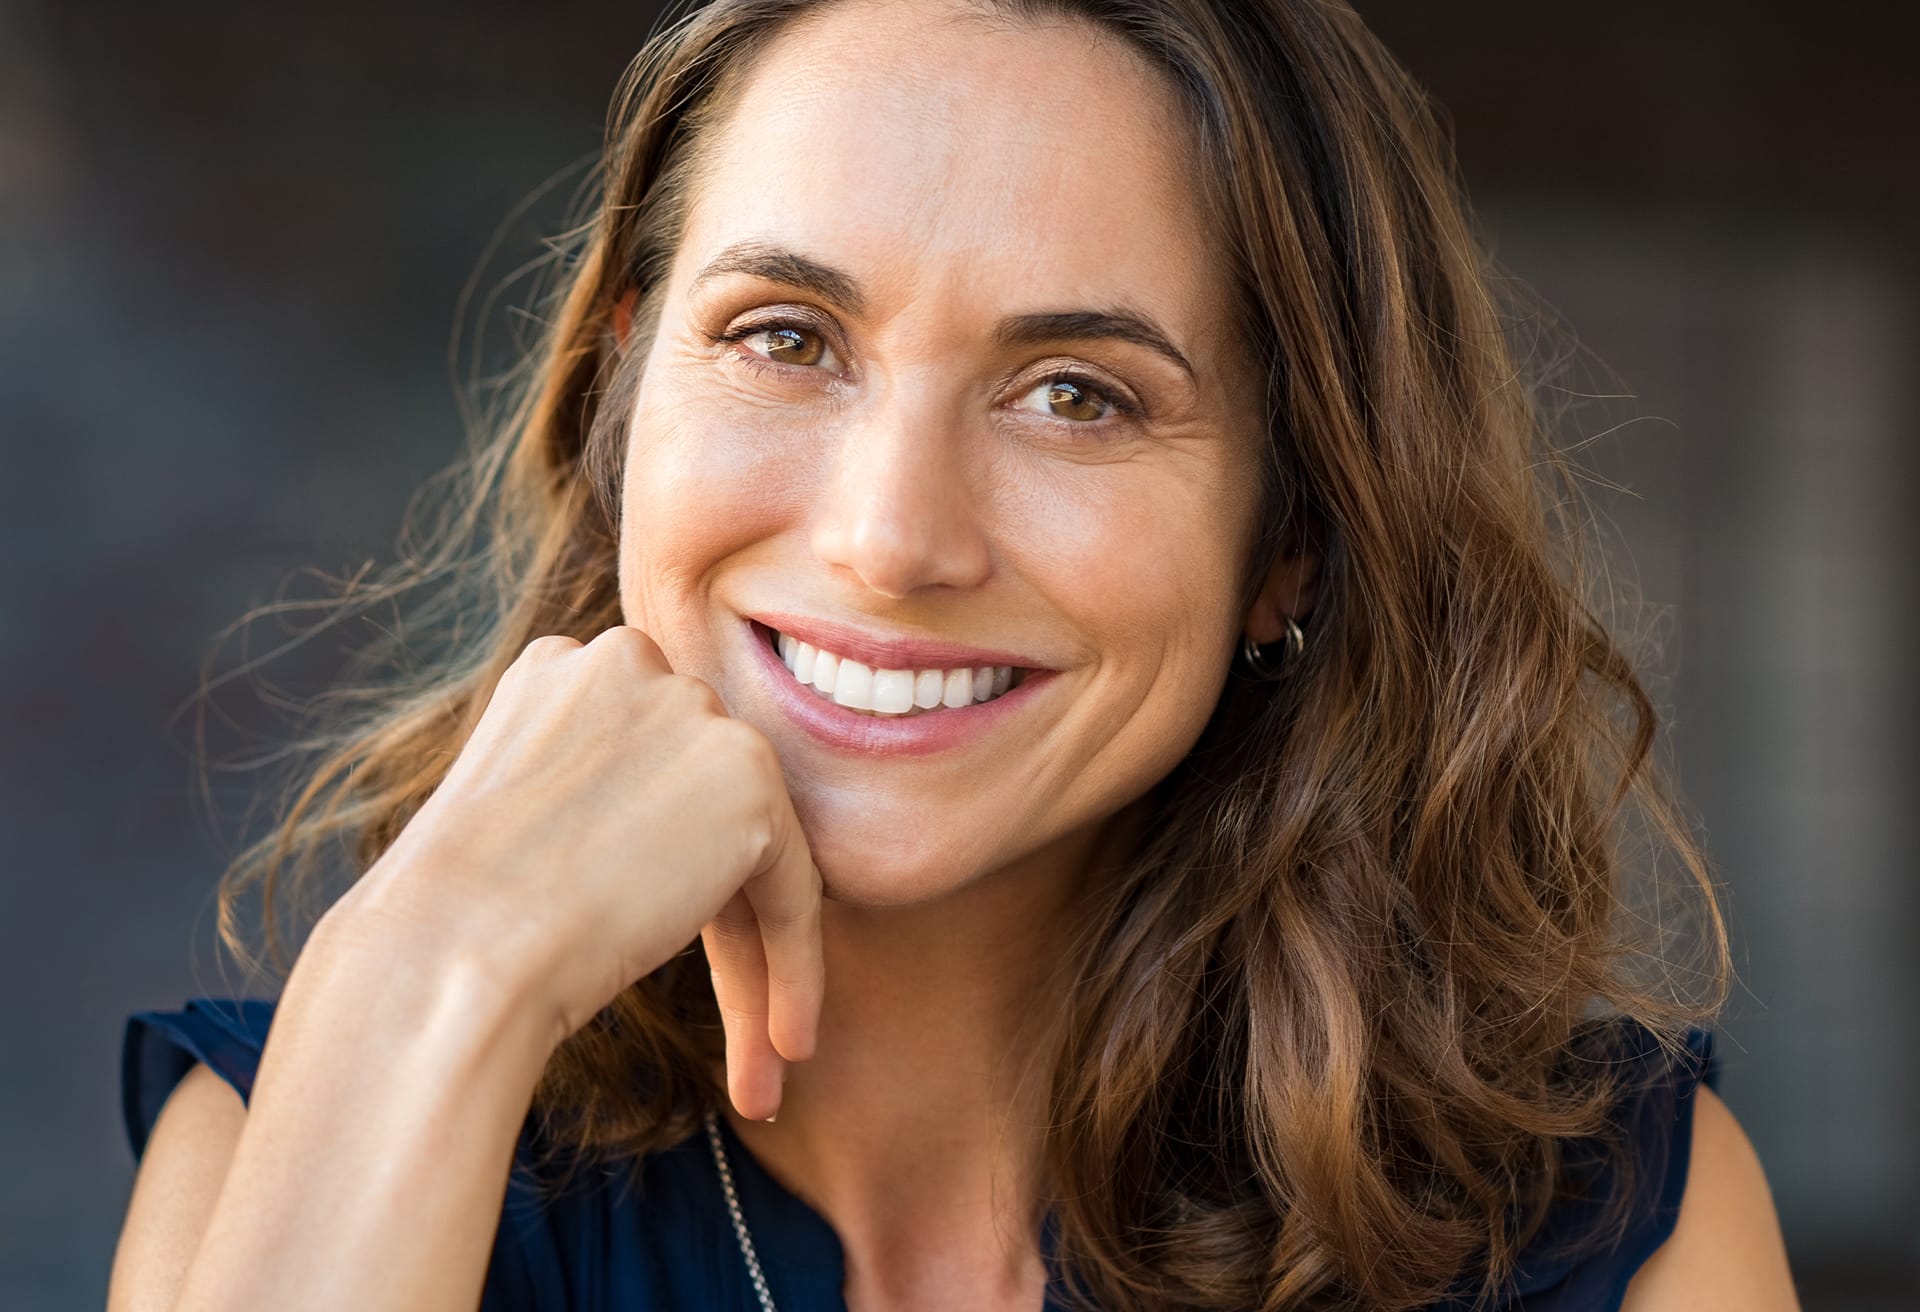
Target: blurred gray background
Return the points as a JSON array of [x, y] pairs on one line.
[[232, 243]]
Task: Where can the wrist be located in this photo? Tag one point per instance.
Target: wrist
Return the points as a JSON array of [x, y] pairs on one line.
[[441, 983]]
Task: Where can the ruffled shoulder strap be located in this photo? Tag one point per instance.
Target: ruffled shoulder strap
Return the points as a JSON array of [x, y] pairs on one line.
[[160, 1047], [1655, 1113], [525, 1272]]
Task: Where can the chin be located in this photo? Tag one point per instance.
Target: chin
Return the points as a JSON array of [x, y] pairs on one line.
[[867, 866], [868, 891]]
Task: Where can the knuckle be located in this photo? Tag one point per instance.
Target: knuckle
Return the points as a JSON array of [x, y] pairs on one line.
[[737, 1016], [780, 982], [548, 644], [786, 922], [724, 731], [731, 933], [630, 643], [750, 756], [692, 693], [758, 752]]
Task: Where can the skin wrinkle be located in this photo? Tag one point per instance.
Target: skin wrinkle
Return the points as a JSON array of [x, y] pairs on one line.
[[792, 268], [1285, 862], [903, 495]]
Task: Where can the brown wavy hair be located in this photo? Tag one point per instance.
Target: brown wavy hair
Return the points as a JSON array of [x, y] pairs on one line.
[[1339, 1031]]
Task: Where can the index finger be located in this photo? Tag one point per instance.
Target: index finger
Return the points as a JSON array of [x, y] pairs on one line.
[[785, 897]]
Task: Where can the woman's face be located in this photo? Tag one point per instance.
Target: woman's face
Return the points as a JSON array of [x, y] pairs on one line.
[[944, 252]]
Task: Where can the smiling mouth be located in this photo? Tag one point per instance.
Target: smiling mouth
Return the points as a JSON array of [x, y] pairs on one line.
[[883, 693]]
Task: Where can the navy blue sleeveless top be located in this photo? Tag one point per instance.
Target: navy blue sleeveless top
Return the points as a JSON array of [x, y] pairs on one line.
[[668, 1245]]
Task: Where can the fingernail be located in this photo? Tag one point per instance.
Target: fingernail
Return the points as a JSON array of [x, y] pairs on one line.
[[769, 1120]]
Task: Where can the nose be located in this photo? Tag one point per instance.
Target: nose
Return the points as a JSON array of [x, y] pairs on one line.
[[899, 512]]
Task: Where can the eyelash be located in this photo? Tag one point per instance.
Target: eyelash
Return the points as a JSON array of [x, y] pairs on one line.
[[1122, 407]]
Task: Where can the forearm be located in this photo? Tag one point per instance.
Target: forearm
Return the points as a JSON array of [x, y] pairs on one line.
[[379, 1135]]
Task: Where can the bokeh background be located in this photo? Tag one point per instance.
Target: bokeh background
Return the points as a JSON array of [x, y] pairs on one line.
[[234, 241]]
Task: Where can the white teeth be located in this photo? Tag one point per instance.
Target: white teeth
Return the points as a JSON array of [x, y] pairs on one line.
[[853, 686], [926, 689], [892, 691], [860, 687], [957, 691]]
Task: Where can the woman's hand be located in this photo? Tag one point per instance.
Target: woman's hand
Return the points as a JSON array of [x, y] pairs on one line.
[[604, 812]]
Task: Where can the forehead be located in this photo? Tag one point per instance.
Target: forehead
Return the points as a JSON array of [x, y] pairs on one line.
[[934, 154]]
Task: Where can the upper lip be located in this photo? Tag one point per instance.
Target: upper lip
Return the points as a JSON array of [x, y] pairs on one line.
[[884, 653]]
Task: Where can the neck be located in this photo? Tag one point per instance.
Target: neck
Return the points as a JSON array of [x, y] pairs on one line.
[[915, 1128]]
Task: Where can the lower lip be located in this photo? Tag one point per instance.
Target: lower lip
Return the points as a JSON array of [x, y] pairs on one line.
[[876, 735]]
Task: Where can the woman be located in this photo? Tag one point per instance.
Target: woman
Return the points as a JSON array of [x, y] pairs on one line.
[[1024, 552]]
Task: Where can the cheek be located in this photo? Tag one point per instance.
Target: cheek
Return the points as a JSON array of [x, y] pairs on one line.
[[1145, 572], [1145, 567], [701, 485]]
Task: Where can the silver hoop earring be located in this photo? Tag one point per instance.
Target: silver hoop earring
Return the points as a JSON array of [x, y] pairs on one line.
[[1255, 657]]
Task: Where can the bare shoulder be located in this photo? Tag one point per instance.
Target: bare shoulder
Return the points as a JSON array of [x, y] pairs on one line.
[[1726, 1250], [179, 1180]]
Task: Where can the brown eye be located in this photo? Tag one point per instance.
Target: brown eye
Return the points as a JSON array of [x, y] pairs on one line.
[[1070, 397], [1070, 400], [788, 344]]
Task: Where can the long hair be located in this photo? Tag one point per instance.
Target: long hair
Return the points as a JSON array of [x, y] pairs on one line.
[[1339, 1031]]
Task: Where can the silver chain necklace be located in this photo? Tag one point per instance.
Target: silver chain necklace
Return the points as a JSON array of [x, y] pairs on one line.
[[739, 1218], [740, 1232]]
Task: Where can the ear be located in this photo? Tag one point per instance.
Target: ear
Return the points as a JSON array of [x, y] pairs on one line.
[[623, 315], [1289, 589]]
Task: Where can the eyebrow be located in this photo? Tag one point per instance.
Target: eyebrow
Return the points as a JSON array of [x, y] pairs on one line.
[[778, 264]]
